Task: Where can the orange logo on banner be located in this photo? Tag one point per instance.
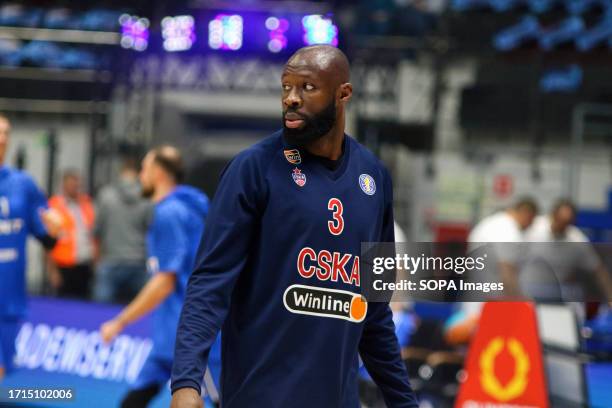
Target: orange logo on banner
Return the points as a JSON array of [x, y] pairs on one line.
[[504, 363]]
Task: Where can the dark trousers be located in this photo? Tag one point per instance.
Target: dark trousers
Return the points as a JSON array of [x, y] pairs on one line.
[[76, 281]]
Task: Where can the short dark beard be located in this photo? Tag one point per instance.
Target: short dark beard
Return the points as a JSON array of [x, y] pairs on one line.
[[315, 126]]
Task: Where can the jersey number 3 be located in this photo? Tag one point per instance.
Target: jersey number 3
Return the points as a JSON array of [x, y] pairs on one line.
[[336, 225]]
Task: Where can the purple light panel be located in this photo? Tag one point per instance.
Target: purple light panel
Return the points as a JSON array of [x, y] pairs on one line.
[[134, 32], [225, 32], [277, 28], [319, 30], [178, 33]]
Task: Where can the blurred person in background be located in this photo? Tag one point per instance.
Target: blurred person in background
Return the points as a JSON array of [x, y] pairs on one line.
[[72, 259], [505, 230], [507, 225], [23, 212], [121, 223], [556, 226], [172, 241], [563, 259]]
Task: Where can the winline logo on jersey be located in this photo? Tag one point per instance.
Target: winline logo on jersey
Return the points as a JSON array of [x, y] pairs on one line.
[[314, 301]]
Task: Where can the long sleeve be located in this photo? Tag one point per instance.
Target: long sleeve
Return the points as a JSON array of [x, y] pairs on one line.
[[222, 256], [37, 202], [379, 347], [168, 243], [380, 352]]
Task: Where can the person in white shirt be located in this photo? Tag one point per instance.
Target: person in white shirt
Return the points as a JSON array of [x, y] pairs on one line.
[[506, 228], [507, 225]]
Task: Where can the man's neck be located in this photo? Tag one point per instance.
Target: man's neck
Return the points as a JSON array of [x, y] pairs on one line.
[[161, 191], [330, 145]]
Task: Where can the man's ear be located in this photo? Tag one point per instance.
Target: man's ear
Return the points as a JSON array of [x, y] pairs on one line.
[[346, 91]]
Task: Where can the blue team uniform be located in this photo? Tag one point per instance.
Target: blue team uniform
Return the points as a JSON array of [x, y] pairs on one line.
[[20, 204], [278, 270], [172, 241]]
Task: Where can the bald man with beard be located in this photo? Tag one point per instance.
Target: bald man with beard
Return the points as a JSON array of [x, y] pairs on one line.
[[278, 266], [172, 242]]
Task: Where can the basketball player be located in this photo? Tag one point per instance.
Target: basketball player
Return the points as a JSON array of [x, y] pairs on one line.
[[172, 241], [23, 212], [279, 261]]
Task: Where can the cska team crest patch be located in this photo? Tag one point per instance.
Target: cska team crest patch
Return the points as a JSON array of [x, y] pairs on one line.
[[293, 156], [299, 177]]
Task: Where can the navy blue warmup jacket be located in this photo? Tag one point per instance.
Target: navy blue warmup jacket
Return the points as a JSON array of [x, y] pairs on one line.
[[278, 271]]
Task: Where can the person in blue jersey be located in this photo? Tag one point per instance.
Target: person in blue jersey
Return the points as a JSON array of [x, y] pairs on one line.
[[23, 212], [278, 267], [172, 240]]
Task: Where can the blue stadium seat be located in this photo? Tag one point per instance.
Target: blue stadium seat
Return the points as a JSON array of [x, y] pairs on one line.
[[19, 16], [59, 18], [464, 5], [528, 28], [567, 30], [582, 6], [595, 36], [99, 20], [562, 80], [541, 6]]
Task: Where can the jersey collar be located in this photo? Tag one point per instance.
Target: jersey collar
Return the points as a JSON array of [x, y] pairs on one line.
[[314, 161]]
